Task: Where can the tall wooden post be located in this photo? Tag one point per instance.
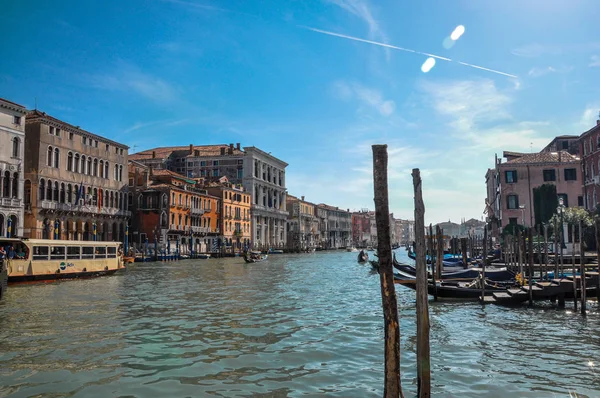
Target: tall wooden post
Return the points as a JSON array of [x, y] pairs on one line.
[[520, 247], [556, 275], [433, 261], [530, 282], [440, 252], [463, 248], [483, 265], [582, 270], [392, 386], [574, 270], [423, 363]]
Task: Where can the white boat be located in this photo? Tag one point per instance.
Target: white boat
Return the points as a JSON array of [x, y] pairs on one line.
[[351, 249]]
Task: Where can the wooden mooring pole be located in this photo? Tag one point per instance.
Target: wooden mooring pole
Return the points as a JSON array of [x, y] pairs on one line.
[[392, 387], [440, 252], [483, 265], [556, 275], [582, 270], [423, 361], [574, 271], [530, 281], [545, 251], [433, 261], [463, 248], [598, 258]]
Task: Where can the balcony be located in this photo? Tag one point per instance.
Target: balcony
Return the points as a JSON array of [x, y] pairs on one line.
[[10, 202], [180, 228], [89, 209], [196, 211], [237, 218], [200, 230]]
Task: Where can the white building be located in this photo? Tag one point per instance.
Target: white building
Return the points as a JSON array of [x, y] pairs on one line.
[[264, 177], [12, 150]]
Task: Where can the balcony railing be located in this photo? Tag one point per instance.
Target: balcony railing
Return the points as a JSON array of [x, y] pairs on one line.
[[91, 209], [197, 211], [10, 202], [182, 228]]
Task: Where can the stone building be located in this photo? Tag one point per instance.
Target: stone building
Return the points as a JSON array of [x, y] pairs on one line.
[[74, 185], [235, 212], [336, 230], [12, 137], [589, 145], [302, 224]]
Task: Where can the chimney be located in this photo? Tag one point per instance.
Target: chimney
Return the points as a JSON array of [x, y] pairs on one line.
[[301, 196], [237, 146], [196, 153], [153, 154], [222, 151], [191, 149], [230, 149]]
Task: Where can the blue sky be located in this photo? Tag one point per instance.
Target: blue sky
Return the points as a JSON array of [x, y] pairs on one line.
[[175, 72]]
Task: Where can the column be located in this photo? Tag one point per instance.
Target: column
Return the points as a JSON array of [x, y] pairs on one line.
[[1, 184], [10, 186]]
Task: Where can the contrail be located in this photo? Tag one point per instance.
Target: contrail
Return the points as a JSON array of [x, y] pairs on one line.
[[405, 49]]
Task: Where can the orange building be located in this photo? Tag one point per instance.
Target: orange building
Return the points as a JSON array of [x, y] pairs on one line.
[[170, 211], [234, 212]]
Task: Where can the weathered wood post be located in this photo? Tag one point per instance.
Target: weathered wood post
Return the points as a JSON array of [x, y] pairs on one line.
[[423, 363], [556, 262], [440, 252], [520, 247], [392, 387], [433, 261], [574, 271], [582, 270], [463, 248], [530, 282], [483, 265]]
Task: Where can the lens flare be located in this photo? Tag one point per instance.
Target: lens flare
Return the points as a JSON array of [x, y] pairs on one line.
[[457, 33], [428, 64]]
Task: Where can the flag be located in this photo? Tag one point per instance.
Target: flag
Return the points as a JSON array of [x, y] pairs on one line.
[[79, 194]]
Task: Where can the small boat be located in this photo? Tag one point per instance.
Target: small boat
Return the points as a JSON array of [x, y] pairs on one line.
[[363, 257], [351, 249], [203, 256], [370, 249], [129, 259], [494, 274], [275, 251], [254, 257]]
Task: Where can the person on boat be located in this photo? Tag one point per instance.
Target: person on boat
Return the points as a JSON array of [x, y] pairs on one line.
[[2, 253], [11, 252]]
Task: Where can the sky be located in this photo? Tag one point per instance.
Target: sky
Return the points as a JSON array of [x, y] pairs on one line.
[[317, 82]]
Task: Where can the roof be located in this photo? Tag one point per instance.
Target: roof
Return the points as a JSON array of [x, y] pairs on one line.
[[169, 173], [35, 115], [184, 151], [544, 157], [14, 104], [593, 129]]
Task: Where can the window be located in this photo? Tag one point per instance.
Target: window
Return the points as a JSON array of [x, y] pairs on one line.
[[100, 252], [565, 199], [49, 157], [107, 147], [96, 143], [510, 176], [131, 182], [570, 174], [57, 253], [111, 252], [40, 252], [15, 151], [56, 157], [580, 201], [87, 252], [121, 151], [70, 161], [512, 202], [57, 132], [215, 172], [73, 252], [106, 170], [240, 173], [202, 163], [76, 163], [71, 136], [84, 140], [50, 130], [565, 145], [215, 162], [550, 175], [17, 120]]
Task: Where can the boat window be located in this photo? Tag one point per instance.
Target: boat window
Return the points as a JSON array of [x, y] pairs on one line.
[[21, 251], [100, 252], [73, 252], [57, 253], [40, 252], [87, 252], [112, 252]]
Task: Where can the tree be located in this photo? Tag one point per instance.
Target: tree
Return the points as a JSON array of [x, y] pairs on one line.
[[545, 203]]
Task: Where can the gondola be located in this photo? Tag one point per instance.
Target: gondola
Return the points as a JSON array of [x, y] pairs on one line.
[[494, 274], [363, 257], [458, 290]]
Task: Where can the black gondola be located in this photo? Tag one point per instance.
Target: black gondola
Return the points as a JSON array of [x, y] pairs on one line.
[[363, 257]]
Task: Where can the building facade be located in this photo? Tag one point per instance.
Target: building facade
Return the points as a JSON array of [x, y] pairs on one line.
[[12, 137], [264, 178], [511, 183], [235, 212], [336, 227], [302, 224], [75, 185], [589, 146]]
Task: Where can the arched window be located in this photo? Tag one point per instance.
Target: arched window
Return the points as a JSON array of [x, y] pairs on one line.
[[76, 163], [112, 199], [49, 156], [105, 201], [69, 193], [89, 166], [180, 202], [42, 189], [16, 147], [102, 168], [63, 194], [56, 157], [83, 164], [120, 173], [172, 219], [106, 170], [49, 190], [15, 187], [116, 172], [95, 173], [55, 196], [70, 161], [95, 197], [179, 219]]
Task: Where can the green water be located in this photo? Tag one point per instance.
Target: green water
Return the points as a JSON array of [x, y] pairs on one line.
[[296, 325]]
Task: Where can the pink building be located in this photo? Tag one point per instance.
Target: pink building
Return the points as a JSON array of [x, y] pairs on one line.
[[510, 184], [589, 146]]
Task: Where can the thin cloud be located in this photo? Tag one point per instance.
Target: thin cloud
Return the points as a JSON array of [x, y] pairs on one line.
[[595, 61], [154, 124], [197, 5], [407, 50], [369, 97]]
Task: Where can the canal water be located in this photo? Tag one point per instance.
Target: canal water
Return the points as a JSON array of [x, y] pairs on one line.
[[296, 325]]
